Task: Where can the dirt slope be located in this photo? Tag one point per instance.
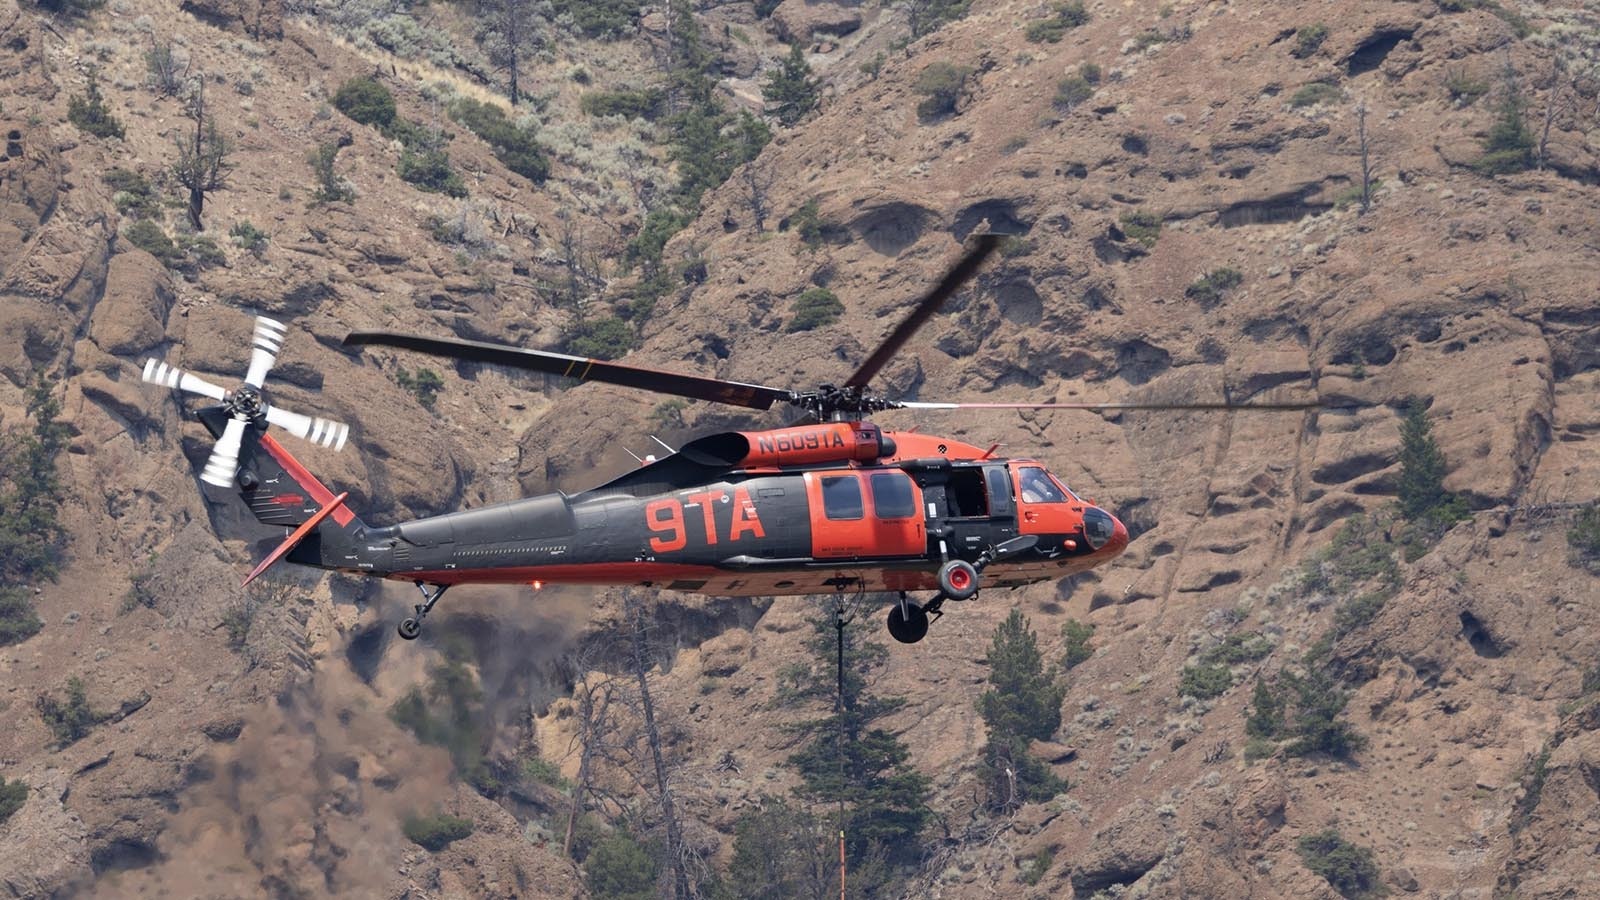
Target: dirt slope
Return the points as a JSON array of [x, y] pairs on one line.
[[276, 759]]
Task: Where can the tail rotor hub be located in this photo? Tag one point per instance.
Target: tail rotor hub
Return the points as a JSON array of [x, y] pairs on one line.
[[248, 402]]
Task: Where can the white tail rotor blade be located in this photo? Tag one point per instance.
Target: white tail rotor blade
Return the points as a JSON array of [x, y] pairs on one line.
[[323, 432], [157, 372], [224, 461], [264, 349]]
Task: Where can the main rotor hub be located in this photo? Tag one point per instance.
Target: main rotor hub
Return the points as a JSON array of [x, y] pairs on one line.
[[831, 403]]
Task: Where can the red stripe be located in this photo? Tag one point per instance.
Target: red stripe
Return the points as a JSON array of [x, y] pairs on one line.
[[306, 480], [336, 503]]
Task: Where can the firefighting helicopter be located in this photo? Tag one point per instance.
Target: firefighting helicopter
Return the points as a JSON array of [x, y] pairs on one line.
[[829, 504]]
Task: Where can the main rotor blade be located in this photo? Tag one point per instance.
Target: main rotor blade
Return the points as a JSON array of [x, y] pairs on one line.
[[158, 372], [752, 396], [1114, 407], [984, 246]]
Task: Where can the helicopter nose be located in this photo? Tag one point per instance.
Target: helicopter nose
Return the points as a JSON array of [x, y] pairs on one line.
[[1103, 531]]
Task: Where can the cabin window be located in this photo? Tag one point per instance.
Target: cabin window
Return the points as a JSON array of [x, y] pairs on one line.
[[999, 490], [891, 496], [841, 497], [1039, 487]]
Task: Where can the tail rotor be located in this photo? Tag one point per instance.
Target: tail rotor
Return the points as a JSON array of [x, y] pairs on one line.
[[247, 404]]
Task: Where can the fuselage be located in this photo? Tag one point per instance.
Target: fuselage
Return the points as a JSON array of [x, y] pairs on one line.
[[806, 510]]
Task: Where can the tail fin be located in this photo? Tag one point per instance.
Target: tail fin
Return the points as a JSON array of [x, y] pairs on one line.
[[280, 491]]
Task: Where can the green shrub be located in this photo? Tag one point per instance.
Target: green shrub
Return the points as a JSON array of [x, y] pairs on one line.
[[1349, 869], [1508, 147], [1211, 288], [91, 115], [430, 171], [366, 101], [815, 308], [1308, 40], [1090, 72], [621, 868], [807, 223], [1461, 86], [330, 187], [1317, 728], [249, 237], [1316, 92], [18, 621], [1071, 91], [69, 719], [200, 252], [513, 145], [1520, 26], [1583, 539], [149, 237], [607, 337], [1037, 866], [1205, 681], [1149, 38], [1267, 706], [644, 103], [537, 768], [69, 7], [1238, 648], [941, 85], [1142, 226], [12, 795], [133, 195], [605, 19], [436, 832], [927, 16], [1064, 17], [1075, 636], [425, 384]]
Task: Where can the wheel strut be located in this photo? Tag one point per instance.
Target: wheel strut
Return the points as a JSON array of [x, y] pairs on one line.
[[411, 627]]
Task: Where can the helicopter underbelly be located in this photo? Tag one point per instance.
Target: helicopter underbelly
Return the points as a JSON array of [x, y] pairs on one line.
[[775, 582]]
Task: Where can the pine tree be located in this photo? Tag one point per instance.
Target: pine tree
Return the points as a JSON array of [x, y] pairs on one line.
[[1266, 712], [30, 501], [1023, 705], [202, 165], [791, 90], [1422, 470], [849, 761]]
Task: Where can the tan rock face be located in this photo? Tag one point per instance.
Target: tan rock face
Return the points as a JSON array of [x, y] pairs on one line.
[[1474, 295]]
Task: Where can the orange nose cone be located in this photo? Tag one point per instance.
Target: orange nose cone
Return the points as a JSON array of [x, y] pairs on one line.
[[1119, 538]]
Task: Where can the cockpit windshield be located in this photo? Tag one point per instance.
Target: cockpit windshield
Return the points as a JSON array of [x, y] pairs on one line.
[[1038, 487]]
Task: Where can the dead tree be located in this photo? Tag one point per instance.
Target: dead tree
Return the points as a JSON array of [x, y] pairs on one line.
[[202, 165], [640, 662], [511, 35], [595, 724], [757, 178], [1366, 158]]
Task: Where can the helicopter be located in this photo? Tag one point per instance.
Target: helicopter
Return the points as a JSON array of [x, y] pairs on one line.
[[829, 503]]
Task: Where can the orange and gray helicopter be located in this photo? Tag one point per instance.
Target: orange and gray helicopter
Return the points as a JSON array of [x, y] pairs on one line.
[[831, 504]]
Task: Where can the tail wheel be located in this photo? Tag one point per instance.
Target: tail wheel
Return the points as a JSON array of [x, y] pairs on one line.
[[958, 579], [908, 622]]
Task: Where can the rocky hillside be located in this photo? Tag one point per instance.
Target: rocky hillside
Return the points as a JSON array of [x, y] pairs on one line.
[[1185, 186]]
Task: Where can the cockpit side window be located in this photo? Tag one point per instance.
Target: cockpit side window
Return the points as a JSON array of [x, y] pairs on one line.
[[1038, 487]]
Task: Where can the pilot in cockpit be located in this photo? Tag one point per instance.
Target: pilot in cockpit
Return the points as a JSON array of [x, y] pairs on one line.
[[1037, 487]]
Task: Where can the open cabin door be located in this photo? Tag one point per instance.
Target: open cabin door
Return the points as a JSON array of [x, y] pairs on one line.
[[865, 514]]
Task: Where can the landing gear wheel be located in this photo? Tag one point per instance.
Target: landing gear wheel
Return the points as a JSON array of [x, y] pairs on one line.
[[958, 579], [410, 628], [908, 622]]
